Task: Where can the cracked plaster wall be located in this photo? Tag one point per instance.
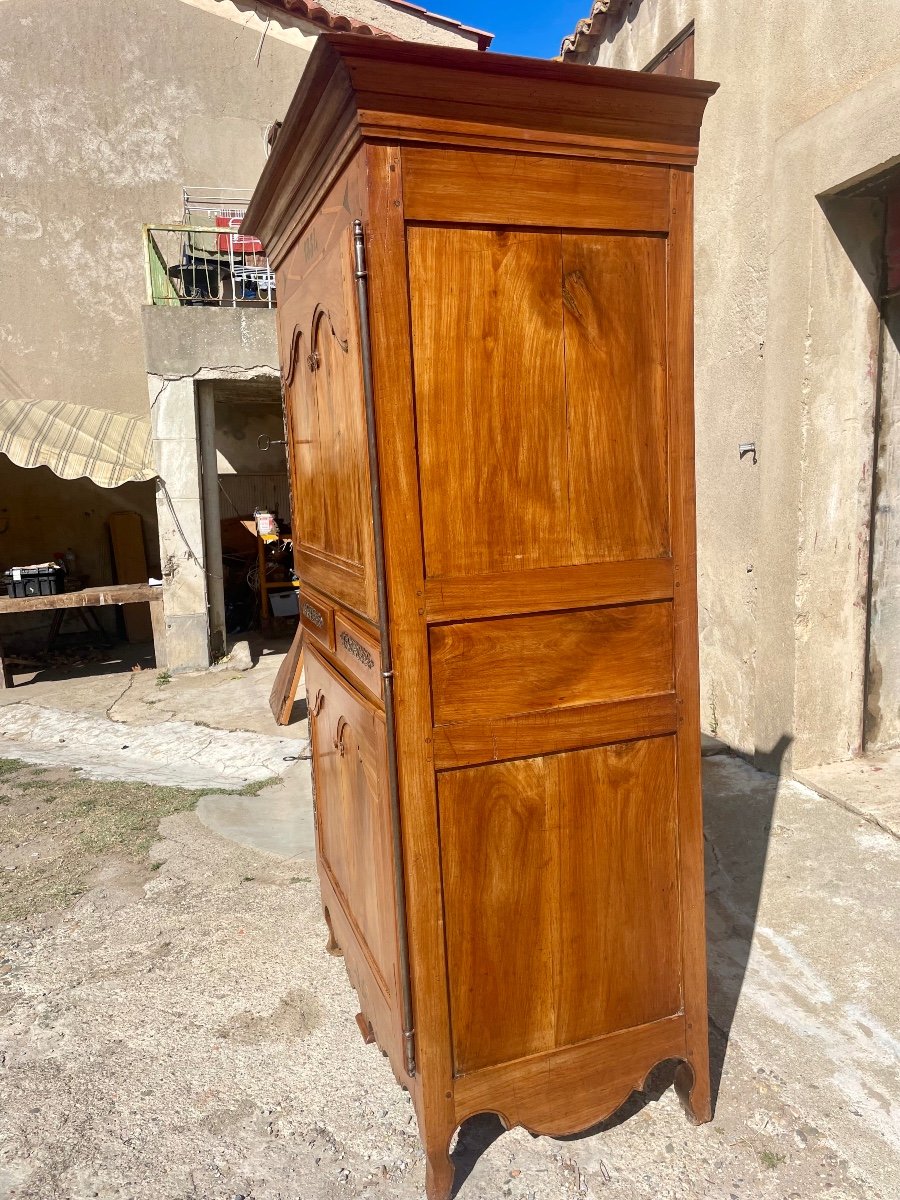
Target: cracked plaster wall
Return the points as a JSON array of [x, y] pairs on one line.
[[786, 338], [101, 124]]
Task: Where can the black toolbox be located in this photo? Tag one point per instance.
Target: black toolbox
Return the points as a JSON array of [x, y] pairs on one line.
[[34, 581]]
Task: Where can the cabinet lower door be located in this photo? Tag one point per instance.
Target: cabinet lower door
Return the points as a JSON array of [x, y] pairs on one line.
[[354, 839]]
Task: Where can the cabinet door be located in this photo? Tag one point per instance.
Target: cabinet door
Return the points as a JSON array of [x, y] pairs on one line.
[[319, 336], [353, 816]]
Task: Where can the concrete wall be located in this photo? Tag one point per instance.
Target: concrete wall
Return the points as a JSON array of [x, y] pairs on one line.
[[107, 111], [185, 347], [785, 352], [239, 424]]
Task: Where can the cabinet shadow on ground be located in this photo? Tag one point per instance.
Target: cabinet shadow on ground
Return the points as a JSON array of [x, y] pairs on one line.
[[738, 806]]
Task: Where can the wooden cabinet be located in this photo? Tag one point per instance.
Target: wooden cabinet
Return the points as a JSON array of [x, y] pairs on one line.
[[485, 318]]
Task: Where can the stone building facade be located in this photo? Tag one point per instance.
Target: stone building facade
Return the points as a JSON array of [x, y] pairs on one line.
[[796, 356], [107, 111]]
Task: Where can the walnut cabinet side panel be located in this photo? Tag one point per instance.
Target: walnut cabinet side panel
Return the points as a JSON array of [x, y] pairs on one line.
[[536, 456]]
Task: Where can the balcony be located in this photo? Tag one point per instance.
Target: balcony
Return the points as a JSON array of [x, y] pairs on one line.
[[202, 260]]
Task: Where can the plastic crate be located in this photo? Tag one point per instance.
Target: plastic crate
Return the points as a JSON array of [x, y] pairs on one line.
[[284, 604], [22, 582]]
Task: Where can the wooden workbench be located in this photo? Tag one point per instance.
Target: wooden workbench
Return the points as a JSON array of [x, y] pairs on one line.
[[95, 597]]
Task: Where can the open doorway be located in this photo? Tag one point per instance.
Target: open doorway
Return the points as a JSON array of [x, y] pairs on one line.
[[246, 502], [882, 715], [869, 782]]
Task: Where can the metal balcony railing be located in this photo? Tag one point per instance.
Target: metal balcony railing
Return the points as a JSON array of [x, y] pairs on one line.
[[209, 264]]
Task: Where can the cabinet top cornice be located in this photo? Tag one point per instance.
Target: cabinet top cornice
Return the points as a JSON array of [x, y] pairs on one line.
[[357, 89]]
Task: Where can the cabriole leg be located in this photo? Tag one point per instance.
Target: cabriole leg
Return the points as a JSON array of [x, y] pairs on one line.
[[331, 946], [693, 1092]]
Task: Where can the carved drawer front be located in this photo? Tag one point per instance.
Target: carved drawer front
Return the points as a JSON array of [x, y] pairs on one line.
[[358, 653], [317, 618]]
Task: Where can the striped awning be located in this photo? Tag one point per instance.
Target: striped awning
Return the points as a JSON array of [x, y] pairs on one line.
[[76, 441]]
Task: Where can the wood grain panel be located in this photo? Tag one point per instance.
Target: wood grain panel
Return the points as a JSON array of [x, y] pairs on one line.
[[496, 668], [471, 187], [307, 489], [561, 906], [376, 995], [341, 414], [353, 823], [620, 960], [489, 373], [325, 414], [549, 732], [615, 322], [497, 854], [342, 442], [586, 585], [344, 581]]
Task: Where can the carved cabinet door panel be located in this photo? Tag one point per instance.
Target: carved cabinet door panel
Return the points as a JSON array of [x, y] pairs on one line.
[[327, 430], [353, 820]]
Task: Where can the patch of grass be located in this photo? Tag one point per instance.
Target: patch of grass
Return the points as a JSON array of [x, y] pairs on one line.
[[259, 785], [163, 678], [769, 1159], [87, 820], [29, 785], [9, 766]]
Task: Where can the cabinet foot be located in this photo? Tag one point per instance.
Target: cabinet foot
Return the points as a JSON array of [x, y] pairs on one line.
[[439, 1170], [331, 945], [693, 1092]]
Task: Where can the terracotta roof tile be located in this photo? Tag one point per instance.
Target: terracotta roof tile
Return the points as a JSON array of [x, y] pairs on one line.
[[484, 39], [330, 18], [319, 15], [589, 30]]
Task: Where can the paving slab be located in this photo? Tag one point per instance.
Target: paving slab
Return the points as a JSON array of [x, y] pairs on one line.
[[869, 786], [278, 821], [170, 753], [224, 698]]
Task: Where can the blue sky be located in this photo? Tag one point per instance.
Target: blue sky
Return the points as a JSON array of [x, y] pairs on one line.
[[533, 27]]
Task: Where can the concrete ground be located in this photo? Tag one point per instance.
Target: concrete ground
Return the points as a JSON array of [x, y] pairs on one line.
[[178, 1031], [199, 730], [869, 786]]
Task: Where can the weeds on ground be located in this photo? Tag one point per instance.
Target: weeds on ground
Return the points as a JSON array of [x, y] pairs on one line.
[[163, 678], [55, 828]]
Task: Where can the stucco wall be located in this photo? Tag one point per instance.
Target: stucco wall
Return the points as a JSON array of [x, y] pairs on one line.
[[107, 110], [786, 334]]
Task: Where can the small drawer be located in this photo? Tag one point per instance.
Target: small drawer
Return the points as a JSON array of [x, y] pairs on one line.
[[358, 653], [317, 618]]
